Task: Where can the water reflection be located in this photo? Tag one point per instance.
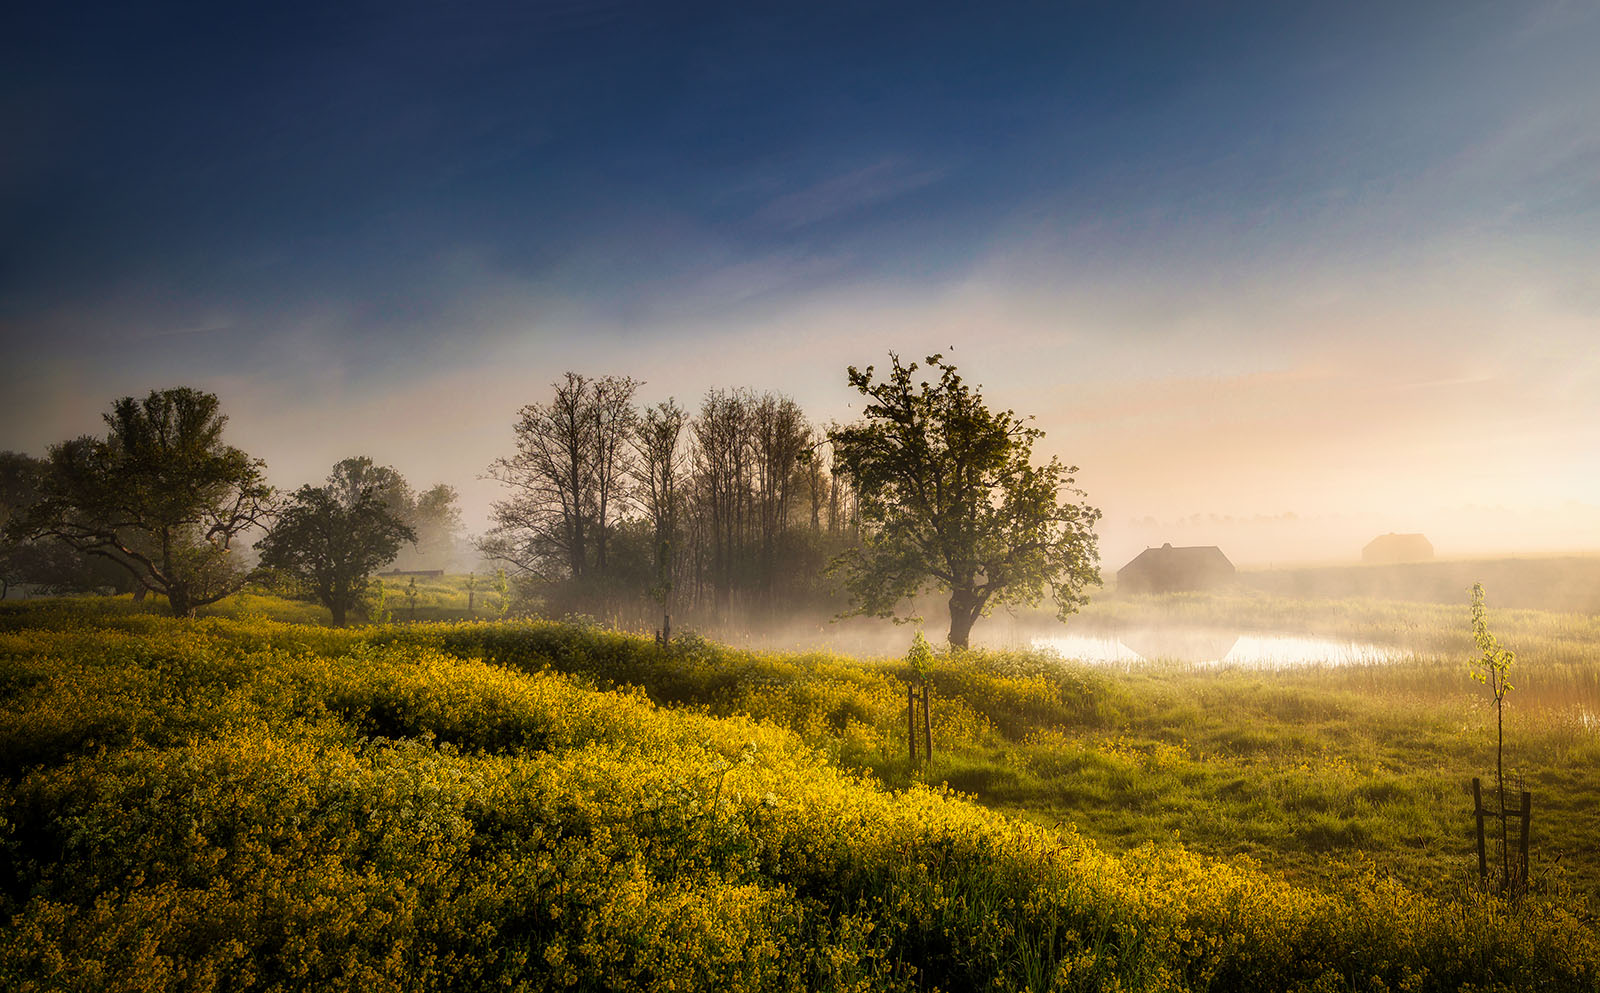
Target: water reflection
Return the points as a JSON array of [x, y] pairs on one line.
[[1203, 647]]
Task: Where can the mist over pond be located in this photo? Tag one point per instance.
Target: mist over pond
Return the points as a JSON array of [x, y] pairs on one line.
[[1211, 647]]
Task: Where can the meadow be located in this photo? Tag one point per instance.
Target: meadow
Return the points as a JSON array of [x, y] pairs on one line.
[[252, 801]]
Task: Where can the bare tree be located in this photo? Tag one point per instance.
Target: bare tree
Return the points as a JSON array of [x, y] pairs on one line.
[[611, 407], [661, 456], [565, 478], [780, 436], [722, 477]]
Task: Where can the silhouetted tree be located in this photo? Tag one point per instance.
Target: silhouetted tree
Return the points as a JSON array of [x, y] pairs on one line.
[[357, 477], [21, 479], [566, 480], [780, 438], [432, 514], [161, 496], [331, 538], [949, 499], [722, 483], [660, 456]]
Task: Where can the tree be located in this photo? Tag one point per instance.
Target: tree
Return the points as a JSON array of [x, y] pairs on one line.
[[659, 457], [722, 474], [331, 539], [21, 477], [565, 480], [432, 513], [437, 522], [1493, 669], [950, 500], [161, 496]]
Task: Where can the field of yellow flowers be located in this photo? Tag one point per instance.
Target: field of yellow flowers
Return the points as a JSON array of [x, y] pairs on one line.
[[245, 803]]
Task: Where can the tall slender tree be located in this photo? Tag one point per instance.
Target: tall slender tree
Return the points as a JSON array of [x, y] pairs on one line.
[[660, 457]]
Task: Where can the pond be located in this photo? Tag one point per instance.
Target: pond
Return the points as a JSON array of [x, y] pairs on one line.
[[1210, 647]]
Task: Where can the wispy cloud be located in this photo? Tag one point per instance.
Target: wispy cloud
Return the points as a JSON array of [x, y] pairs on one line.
[[840, 194]]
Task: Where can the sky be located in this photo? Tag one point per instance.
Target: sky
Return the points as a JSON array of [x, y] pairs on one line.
[[1278, 277]]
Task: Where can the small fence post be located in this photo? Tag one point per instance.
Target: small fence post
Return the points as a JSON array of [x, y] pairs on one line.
[[927, 726], [1522, 843], [911, 722], [1477, 811]]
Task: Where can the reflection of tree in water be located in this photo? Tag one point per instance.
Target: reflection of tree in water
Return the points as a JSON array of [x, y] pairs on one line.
[[1180, 644]]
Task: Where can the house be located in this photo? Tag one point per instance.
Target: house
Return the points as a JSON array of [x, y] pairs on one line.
[[1170, 570], [1398, 548]]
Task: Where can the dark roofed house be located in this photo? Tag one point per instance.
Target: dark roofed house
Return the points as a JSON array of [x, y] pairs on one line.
[[1398, 548], [1171, 570]]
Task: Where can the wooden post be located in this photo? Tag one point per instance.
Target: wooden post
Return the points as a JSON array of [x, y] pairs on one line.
[[911, 722], [1522, 843], [1477, 811], [927, 726]]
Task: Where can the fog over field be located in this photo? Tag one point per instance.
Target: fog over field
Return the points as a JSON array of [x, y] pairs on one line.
[[1277, 280]]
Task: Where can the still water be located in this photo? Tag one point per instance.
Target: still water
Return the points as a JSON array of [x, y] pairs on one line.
[[1216, 648]]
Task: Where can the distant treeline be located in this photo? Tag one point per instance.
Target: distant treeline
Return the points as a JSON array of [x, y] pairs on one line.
[[729, 514]]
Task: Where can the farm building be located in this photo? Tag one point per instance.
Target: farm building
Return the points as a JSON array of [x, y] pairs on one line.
[[1170, 570], [1398, 548]]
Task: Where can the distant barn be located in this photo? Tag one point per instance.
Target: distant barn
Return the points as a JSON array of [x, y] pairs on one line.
[[1397, 548], [1171, 570]]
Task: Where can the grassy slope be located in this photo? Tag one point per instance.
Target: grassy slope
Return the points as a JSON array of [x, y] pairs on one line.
[[190, 802]]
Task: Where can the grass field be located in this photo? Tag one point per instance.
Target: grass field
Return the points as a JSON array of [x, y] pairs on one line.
[[450, 805]]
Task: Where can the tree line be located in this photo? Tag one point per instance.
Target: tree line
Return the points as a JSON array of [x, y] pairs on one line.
[[737, 512], [727, 514], [161, 504]]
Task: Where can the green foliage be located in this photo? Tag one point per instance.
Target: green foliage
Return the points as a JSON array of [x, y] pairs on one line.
[[431, 516], [331, 539], [1493, 667], [951, 500], [920, 656], [378, 604]]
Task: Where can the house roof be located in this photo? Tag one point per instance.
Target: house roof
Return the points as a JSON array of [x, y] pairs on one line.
[[1181, 558]]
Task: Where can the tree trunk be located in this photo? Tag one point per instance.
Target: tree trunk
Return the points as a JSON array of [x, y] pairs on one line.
[[178, 600], [962, 614], [337, 607]]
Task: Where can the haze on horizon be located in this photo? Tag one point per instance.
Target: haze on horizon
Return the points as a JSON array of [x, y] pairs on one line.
[[1277, 277]]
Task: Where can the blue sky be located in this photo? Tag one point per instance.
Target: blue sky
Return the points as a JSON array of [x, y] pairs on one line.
[[1336, 260]]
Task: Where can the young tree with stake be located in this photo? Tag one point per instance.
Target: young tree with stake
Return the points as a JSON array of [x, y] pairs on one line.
[[1492, 668]]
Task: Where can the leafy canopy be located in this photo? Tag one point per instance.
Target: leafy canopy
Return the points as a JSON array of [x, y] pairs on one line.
[[331, 538], [950, 499], [162, 496]]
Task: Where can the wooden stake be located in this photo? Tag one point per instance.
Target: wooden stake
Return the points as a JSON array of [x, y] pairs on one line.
[[911, 722], [927, 726], [1477, 810], [1522, 843]]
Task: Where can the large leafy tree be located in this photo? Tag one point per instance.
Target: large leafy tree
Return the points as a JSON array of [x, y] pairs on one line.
[[161, 496], [951, 500], [331, 538]]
